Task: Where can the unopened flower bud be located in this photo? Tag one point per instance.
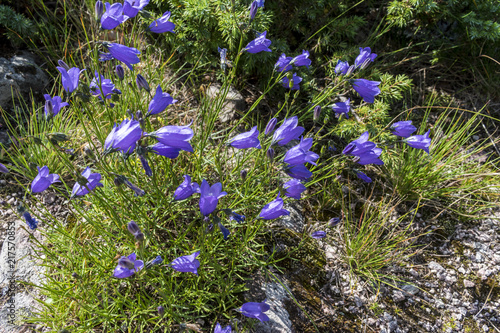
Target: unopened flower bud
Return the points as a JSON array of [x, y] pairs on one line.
[[120, 72], [270, 126], [126, 263], [76, 276], [253, 10], [99, 9], [58, 137], [63, 64], [139, 236], [334, 221], [243, 174], [142, 83], [270, 154], [138, 115], [350, 70], [119, 180], [317, 112], [90, 154], [133, 227], [366, 63], [49, 108], [161, 310]]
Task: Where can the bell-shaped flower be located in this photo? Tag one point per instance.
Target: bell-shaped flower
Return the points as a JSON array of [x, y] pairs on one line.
[[364, 54], [255, 310], [342, 108], [124, 137], [288, 131], [403, 128], [43, 180], [125, 54], [294, 188], [369, 157], [164, 150], [283, 63], [209, 197], [174, 136], [298, 171], [93, 181], [30, 221], [187, 264], [113, 16], [218, 328], [127, 266], [132, 7], [420, 141], [301, 59], [225, 231], [318, 234], [56, 103], [108, 87], [294, 84], [366, 89], [341, 67], [246, 140], [270, 126], [359, 146], [259, 44], [274, 209], [160, 102], [162, 24], [363, 177], [70, 78], [300, 153], [186, 189]]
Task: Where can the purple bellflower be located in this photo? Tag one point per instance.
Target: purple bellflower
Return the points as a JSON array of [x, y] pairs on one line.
[[55, 103], [301, 59], [174, 136], [298, 171], [294, 84], [341, 67], [225, 231], [145, 165], [162, 24], [3, 168], [342, 108], [93, 181], [132, 7], [113, 16], [165, 150], [209, 197], [283, 63], [403, 128], [70, 78], [156, 261], [273, 210], [108, 87], [187, 264], [253, 10], [186, 189], [288, 131], [259, 44], [294, 188], [300, 153], [364, 150], [160, 101], [127, 266], [364, 55], [366, 89], [255, 310], [363, 177], [43, 180], [420, 141], [270, 126], [32, 223], [124, 137], [318, 234], [369, 157], [246, 140], [218, 328], [125, 54]]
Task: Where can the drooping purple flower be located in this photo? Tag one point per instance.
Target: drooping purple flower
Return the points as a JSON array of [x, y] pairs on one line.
[[43, 180], [369, 157], [318, 234], [108, 87], [187, 264], [366, 89], [283, 63], [341, 67], [259, 44], [236, 217], [113, 16], [253, 10], [3, 168], [127, 266], [364, 55], [218, 328], [301, 60], [53, 105], [32, 223], [298, 171], [270, 126], [124, 137], [93, 181], [294, 85], [246, 140], [120, 72], [403, 128], [300, 153], [99, 9], [420, 141], [255, 310], [160, 101], [162, 24], [273, 210], [359, 146], [209, 197], [156, 261], [186, 189], [132, 7], [174, 136], [125, 54], [225, 231], [294, 188], [288, 131], [363, 177], [70, 78], [342, 108], [165, 150]]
